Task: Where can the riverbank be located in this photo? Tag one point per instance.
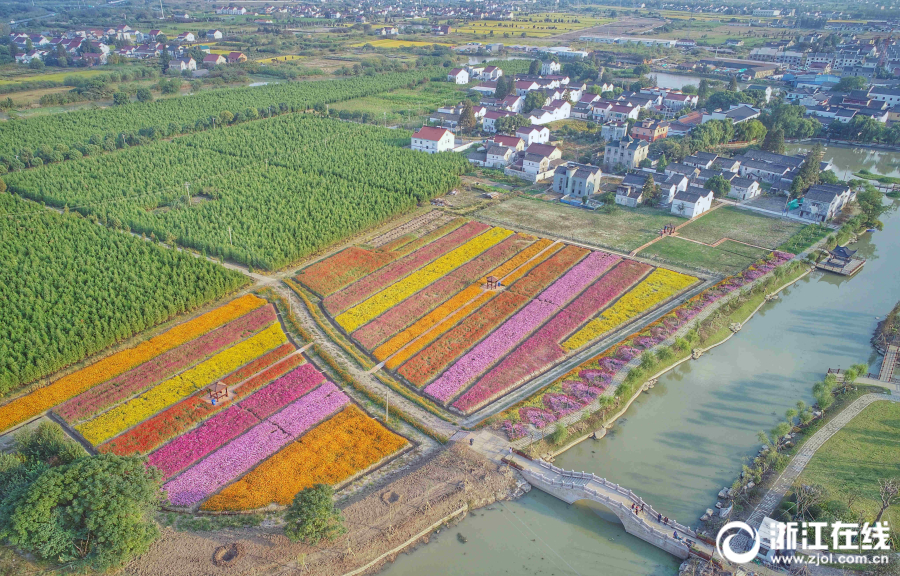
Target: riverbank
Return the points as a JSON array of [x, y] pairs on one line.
[[594, 424]]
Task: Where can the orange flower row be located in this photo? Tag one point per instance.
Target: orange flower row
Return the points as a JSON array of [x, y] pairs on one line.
[[42, 399], [453, 307], [331, 452]]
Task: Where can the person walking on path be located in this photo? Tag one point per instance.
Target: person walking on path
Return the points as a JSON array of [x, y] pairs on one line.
[[659, 517]]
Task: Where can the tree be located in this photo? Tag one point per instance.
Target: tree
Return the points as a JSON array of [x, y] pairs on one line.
[[703, 89], [663, 162], [650, 191], [311, 517], [509, 124], [36, 64], [467, 117], [774, 141], [533, 99], [888, 489], [849, 83], [732, 84], [750, 130], [535, 67], [144, 95], [120, 98], [164, 59], [719, 186], [95, 512], [504, 87]]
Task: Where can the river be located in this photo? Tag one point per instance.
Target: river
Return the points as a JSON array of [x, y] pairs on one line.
[[683, 441]]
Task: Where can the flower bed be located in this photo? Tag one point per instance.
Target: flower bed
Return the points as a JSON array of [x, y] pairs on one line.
[[156, 431], [132, 412], [424, 301], [369, 285], [228, 424], [402, 289], [535, 313], [328, 454], [452, 310], [347, 266], [313, 408], [431, 361], [163, 366], [283, 391], [30, 405], [661, 285]]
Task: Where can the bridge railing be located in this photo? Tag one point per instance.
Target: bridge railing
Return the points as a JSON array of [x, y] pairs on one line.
[[614, 505], [616, 487]]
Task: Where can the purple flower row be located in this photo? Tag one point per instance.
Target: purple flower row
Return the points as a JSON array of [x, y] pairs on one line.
[[311, 409], [535, 313], [283, 391], [224, 465]]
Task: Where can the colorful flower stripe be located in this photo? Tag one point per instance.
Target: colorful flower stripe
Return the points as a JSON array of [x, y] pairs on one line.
[[156, 431], [401, 316], [501, 341], [126, 415], [431, 361], [313, 408], [283, 391], [397, 243], [399, 291], [163, 366], [542, 349], [330, 453], [347, 266], [197, 443], [240, 455], [362, 289], [261, 363], [226, 464], [448, 308], [215, 432], [42, 399], [661, 285], [523, 257]]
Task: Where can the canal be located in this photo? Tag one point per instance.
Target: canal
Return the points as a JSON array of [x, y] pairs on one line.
[[683, 441]]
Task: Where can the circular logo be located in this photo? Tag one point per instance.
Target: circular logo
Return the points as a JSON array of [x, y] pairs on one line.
[[724, 546]]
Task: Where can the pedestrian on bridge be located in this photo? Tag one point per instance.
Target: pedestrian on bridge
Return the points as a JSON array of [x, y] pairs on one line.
[[659, 517]]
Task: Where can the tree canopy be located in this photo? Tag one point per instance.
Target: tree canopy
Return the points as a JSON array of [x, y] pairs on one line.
[[312, 517]]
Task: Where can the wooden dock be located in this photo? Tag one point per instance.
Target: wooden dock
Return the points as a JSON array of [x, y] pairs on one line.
[[848, 269], [889, 363]]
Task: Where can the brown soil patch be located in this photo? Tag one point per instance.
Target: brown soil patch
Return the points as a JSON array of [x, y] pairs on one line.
[[225, 556], [377, 521]]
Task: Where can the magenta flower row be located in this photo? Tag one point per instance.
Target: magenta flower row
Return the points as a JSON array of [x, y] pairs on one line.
[[511, 332], [263, 403], [362, 289], [164, 366], [311, 409]]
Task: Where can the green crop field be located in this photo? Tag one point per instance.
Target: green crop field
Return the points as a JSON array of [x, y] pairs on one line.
[[741, 225], [727, 258]]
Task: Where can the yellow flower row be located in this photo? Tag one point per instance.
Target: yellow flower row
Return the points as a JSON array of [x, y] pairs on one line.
[[377, 304], [328, 454], [451, 308], [138, 409], [42, 399], [661, 285]]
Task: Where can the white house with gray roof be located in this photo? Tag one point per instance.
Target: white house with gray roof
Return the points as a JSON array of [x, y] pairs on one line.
[[692, 202]]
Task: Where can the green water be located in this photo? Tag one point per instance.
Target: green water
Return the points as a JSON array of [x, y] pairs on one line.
[[683, 441]]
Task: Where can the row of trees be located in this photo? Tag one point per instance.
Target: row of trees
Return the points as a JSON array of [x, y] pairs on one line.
[[71, 289], [182, 115], [285, 186]]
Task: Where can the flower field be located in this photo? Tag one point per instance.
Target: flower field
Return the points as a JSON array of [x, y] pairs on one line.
[[152, 400], [429, 316]]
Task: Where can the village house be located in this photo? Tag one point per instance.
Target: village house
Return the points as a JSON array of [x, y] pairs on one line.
[[580, 180], [235, 57], [692, 202], [613, 130], [213, 35], [549, 67], [485, 88], [650, 130], [442, 30], [627, 152], [492, 73], [514, 142], [737, 114], [488, 124], [703, 160], [534, 134], [536, 162], [432, 140], [744, 188], [823, 201], [387, 31], [459, 76], [183, 64], [213, 60]]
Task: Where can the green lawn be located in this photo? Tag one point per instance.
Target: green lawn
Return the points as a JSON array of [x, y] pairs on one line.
[[804, 238], [625, 229], [423, 99], [741, 225], [727, 258], [853, 460]]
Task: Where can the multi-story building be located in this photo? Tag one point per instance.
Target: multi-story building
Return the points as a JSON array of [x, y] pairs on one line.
[[432, 140], [627, 152]]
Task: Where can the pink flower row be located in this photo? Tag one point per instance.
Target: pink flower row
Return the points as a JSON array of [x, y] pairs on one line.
[[502, 340], [228, 424], [260, 442], [164, 366], [362, 289], [542, 349], [405, 313]]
